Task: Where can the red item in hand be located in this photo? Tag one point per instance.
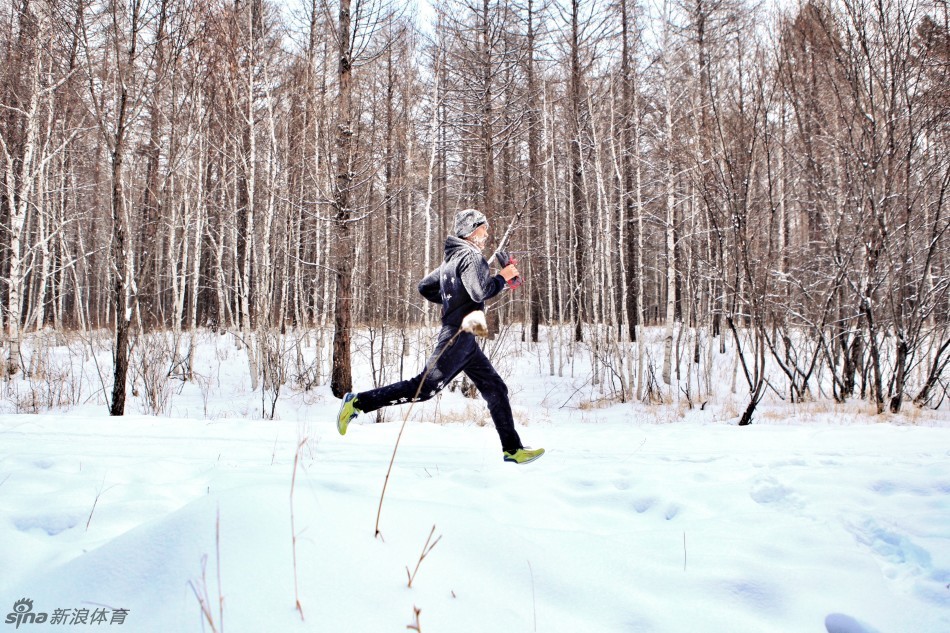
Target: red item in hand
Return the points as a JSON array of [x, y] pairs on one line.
[[506, 260]]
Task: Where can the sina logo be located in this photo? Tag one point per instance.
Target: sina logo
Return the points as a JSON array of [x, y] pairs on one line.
[[23, 614]]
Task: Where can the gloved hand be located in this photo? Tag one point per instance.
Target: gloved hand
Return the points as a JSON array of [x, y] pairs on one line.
[[505, 260]]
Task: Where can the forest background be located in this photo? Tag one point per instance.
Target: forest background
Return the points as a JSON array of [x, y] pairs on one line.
[[764, 180]]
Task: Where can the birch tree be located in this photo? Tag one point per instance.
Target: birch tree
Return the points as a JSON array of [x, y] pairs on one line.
[[21, 152]]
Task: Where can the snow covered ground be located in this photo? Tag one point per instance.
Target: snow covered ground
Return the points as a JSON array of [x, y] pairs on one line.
[[818, 518]]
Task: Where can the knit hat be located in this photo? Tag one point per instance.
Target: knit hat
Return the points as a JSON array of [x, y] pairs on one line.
[[467, 220]]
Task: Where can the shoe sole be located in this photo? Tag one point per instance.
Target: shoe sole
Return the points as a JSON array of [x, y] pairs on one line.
[[341, 425], [527, 461]]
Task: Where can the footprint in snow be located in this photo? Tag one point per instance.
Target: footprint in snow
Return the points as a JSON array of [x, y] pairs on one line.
[[895, 549], [768, 490], [841, 623], [52, 524], [621, 484], [643, 504]]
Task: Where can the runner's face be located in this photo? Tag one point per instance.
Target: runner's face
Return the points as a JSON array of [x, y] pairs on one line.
[[480, 237]]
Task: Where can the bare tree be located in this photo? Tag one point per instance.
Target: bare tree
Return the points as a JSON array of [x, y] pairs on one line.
[[124, 26], [171, 164]]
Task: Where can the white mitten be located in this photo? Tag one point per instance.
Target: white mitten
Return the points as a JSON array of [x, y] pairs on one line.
[[475, 323]]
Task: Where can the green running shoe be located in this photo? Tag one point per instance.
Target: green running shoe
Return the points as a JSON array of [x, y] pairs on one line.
[[523, 455], [348, 411]]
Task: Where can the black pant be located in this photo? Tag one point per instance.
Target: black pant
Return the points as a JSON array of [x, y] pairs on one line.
[[455, 352]]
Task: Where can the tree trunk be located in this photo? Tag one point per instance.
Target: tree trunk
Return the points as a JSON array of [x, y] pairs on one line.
[[534, 181], [342, 379], [19, 188], [900, 373], [121, 261], [121, 255], [933, 375], [670, 243], [578, 203]]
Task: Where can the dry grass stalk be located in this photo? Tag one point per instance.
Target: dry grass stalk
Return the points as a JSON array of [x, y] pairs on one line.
[[293, 529], [201, 590], [425, 552], [415, 626]]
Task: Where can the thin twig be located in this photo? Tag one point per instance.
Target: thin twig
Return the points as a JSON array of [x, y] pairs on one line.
[[634, 452], [217, 555], [504, 238], [684, 551], [95, 502], [402, 428], [415, 626], [534, 602], [293, 529], [202, 596], [425, 552], [576, 391]]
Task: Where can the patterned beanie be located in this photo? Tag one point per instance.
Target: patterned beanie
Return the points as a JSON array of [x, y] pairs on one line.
[[467, 220]]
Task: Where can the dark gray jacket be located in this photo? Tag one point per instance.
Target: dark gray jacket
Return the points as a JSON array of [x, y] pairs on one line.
[[462, 283]]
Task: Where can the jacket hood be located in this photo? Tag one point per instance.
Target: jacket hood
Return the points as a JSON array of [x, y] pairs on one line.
[[456, 246]]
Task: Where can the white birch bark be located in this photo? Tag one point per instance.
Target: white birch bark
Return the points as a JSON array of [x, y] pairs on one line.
[[625, 349], [549, 208], [201, 213], [430, 190], [19, 197], [44, 236], [638, 176], [670, 248], [250, 171]]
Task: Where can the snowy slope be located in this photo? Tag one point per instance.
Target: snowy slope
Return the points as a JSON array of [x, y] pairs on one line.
[[624, 526]]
